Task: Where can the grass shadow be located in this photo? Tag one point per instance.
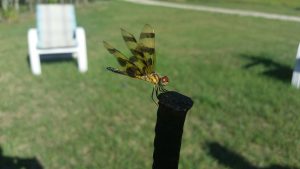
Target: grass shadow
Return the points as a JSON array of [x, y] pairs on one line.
[[233, 160], [18, 163], [54, 58], [274, 69], [51, 58]]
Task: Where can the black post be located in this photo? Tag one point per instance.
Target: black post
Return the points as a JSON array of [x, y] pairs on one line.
[[171, 114]]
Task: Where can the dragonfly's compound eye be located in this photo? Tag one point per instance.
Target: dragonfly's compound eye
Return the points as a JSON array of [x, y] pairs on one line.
[[164, 80]]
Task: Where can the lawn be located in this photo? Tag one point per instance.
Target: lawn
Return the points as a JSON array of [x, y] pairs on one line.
[[236, 69]]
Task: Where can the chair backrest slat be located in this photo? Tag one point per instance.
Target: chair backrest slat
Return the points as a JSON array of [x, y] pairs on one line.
[[56, 25]]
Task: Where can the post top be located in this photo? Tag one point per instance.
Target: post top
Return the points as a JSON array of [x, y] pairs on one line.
[[175, 100]]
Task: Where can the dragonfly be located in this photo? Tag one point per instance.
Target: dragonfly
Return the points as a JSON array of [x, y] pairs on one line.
[[141, 63]]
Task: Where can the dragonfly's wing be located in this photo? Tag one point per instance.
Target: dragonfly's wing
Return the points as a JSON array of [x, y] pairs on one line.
[[146, 46], [138, 57], [127, 67]]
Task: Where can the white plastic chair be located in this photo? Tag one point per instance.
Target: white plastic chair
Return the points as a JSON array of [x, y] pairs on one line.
[[296, 73], [56, 33]]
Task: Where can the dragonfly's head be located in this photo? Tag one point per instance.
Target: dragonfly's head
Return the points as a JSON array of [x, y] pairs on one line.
[[164, 80]]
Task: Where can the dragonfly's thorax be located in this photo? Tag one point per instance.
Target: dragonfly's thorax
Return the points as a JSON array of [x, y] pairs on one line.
[[152, 78]]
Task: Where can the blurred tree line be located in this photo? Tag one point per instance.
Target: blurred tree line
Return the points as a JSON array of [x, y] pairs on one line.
[[11, 8]]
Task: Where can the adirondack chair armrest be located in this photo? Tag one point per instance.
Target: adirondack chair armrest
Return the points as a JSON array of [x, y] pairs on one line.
[[32, 37], [296, 72], [80, 36], [82, 52], [33, 52]]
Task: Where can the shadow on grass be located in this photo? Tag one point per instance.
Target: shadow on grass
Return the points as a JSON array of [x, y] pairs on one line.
[[55, 58], [52, 58], [274, 69], [234, 160], [18, 163]]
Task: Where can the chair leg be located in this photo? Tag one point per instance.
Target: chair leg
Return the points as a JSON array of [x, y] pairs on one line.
[[82, 53], [34, 57]]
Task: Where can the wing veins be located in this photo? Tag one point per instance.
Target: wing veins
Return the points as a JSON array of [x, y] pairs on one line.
[[121, 58]]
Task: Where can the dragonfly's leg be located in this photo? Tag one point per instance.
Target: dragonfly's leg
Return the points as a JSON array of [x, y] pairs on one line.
[[153, 95], [156, 90], [163, 89]]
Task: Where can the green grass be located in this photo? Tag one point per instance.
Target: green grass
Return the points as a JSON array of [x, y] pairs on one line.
[[69, 120], [288, 7]]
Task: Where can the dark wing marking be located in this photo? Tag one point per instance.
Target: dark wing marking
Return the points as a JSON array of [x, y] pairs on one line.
[[116, 70], [130, 71]]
